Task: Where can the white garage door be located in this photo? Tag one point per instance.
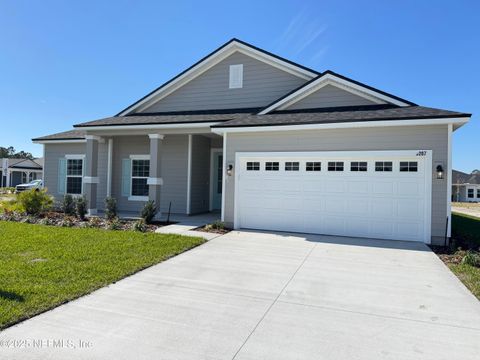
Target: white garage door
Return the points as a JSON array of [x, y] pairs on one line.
[[384, 195]]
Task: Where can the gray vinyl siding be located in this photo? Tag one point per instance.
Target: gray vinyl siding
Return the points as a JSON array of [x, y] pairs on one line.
[[262, 84], [173, 169], [54, 152], [330, 96], [200, 186], [387, 138]]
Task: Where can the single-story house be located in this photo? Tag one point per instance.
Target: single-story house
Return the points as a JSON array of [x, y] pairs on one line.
[[466, 187], [19, 171], [272, 145]]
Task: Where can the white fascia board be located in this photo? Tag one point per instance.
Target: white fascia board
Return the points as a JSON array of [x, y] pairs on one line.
[[151, 126], [44, 142], [212, 61], [343, 125], [334, 80]]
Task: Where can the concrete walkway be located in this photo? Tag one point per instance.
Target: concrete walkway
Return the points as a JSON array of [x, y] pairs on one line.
[[253, 295], [467, 211], [186, 225]]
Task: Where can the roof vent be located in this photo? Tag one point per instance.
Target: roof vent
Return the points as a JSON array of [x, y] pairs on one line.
[[236, 76]]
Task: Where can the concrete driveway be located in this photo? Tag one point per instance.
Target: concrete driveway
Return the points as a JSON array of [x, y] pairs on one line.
[[251, 295]]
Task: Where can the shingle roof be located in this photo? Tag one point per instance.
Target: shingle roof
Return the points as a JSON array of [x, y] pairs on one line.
[[248, 117], [169, 118], [325, 116], [459, 177], [66, 135]]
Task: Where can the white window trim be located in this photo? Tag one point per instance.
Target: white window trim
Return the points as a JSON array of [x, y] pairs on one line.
[[235, 78], [136, 197], [74, 157]]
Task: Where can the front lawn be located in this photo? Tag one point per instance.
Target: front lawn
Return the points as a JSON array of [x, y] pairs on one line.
[[466, 231], [465, 236], [42, 267], [469, 276]]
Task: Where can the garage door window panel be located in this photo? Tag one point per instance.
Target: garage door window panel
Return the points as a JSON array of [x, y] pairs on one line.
[[335, 166], [383, 166], [358, 166], [253, 166], [272, 166], [292, 166], [313, 166], [408, 166]]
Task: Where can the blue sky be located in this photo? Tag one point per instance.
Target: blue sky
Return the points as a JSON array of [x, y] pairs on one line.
[[65, 62]]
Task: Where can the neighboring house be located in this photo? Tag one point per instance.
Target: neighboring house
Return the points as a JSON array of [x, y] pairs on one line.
[[19, 171], [273, 145], [466, 187]]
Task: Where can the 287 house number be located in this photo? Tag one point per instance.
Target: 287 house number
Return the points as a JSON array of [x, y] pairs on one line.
[[422, 153]]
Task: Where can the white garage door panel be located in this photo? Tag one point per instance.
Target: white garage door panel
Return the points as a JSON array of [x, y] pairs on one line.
[[379, 204]]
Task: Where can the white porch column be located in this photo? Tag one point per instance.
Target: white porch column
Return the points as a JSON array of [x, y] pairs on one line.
[[155, 180], [90, 178]]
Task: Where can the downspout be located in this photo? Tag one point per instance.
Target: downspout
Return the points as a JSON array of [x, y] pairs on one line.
[[109, 167]]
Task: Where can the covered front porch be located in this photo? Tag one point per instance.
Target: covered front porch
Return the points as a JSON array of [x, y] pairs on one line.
[[181, 172]]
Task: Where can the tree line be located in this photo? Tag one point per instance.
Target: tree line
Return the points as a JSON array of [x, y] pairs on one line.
[[10, 152]]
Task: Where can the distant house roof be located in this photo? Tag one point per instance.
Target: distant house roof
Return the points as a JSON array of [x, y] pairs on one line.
[[459, 177], [24, 164]]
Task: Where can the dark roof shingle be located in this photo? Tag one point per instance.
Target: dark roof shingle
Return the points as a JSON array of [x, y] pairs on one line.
[[66, 135], [324, 116]]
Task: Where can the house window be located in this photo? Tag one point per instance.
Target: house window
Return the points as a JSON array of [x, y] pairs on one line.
[[140, 174], [383, 166], [358, 166], [478, 193], [74, 176], [292, 166], [271, 166], [313, 166], [408, 166], [253, 166], [335, 166], [236, 77], [471, 193], [24, 177]]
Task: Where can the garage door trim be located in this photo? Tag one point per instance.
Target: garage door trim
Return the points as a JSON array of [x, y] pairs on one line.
[[425, 155]]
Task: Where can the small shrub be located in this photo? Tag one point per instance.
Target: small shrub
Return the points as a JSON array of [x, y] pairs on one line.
[[94, 222], [110, 208], [81, 207], [216, 225], [114, 224], [68, 205], [472, 259], [35, 202], [67, 222], [140, 226], [149, 211], [45, 221]]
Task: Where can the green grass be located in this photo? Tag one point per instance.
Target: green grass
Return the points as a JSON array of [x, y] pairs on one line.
[[44, 266], [466, 231], [469, 276], [466, 234]]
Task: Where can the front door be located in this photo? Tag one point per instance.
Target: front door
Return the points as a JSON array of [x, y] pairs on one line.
[[217, 180]]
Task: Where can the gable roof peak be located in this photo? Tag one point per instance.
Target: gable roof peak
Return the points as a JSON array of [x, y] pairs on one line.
[[213, 58]]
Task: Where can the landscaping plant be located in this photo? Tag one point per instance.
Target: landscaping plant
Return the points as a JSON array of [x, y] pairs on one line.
[[110, 208], [35, 202], [81, 207], [140, 226], [149, 211], [68, 205]]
